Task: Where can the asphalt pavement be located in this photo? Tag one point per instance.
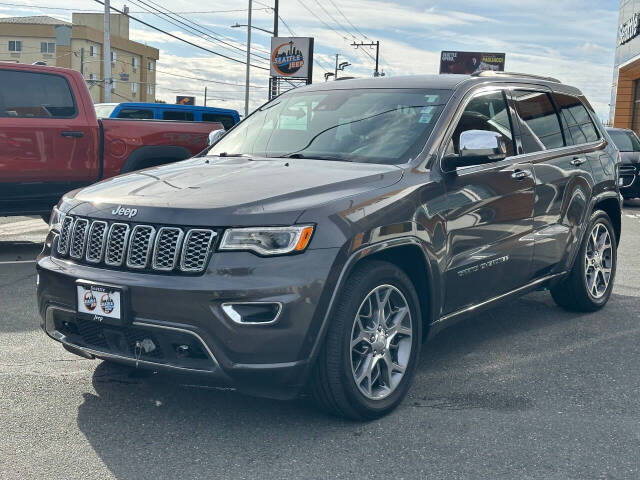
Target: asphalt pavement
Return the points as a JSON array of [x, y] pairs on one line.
[[523, 391]]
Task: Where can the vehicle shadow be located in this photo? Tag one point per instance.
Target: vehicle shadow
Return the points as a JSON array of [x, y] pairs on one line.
[[146, 425]]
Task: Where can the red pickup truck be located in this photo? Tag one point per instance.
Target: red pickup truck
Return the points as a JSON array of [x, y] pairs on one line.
[[51, 141]]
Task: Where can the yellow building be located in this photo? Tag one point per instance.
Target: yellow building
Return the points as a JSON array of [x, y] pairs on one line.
[[78, 45]]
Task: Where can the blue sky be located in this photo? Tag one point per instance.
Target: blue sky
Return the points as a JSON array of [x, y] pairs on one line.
[[573, 40]]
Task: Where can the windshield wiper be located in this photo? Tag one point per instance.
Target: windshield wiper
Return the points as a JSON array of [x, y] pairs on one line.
[[314, 157]]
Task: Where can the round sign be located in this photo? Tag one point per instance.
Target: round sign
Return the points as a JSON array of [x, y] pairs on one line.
[[287, 59]]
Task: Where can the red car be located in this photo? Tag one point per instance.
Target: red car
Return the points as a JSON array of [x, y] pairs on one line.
[[51, 141]]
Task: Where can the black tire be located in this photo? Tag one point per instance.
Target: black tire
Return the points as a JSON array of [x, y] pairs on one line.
[[572, 293], [333, 384]]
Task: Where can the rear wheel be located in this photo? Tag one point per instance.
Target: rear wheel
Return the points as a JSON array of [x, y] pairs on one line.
[[590, 282], [366, 364]]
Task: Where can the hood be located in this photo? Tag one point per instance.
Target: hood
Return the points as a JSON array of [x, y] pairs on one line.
[[235, 190], [630, 157]]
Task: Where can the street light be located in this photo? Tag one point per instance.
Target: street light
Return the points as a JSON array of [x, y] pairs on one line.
[[327, 75], [237, 25]]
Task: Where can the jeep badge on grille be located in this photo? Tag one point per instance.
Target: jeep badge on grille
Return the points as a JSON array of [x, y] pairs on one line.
[[124, 212]]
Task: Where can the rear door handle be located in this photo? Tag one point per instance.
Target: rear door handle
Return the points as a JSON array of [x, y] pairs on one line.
[[520, 174], [71, 133], [576, 162]]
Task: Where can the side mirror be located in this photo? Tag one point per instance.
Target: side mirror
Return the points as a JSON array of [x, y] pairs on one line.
[[476, 147], [215, 136]]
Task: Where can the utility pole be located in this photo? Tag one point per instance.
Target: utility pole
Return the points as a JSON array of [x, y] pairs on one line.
[[205, 96], [376, 72], [246, 88], [335, 75], [106, 51], [275, 18]]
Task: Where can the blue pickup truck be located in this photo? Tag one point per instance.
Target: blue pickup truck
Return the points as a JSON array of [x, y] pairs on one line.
[[165, 111]]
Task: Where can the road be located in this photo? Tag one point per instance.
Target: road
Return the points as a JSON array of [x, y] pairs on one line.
[[523, 391]]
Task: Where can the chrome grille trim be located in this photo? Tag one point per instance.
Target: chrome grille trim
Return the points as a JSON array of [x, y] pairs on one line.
[[167, 248], [97, 239], [116, 244], [195, 251], [79, 238], [140, 245], [137, 247], [65, 235]]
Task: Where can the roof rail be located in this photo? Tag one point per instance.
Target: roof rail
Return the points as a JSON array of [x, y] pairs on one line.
[[493, 73]]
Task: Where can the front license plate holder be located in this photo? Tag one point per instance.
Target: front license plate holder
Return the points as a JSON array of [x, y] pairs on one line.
[[103, 303]]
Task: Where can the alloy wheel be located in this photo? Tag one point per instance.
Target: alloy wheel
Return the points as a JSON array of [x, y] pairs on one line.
[[598, 261], [381, 342]]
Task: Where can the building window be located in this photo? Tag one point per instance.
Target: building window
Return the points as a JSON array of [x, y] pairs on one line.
[[93, 51], [47, 47], [113, 56], [134, 63], [149, 89], [134, 88], [151, 65], [15, 45]]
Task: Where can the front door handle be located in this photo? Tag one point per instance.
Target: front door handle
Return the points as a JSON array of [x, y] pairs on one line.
[[520, 174], [576, 162], [72, 133]]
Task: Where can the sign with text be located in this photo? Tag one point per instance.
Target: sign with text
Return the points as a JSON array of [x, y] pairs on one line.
[[471, 62], [182, 100], [291, 57], [629, 29]]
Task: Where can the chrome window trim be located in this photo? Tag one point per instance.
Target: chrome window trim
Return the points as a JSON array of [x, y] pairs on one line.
[[185, 244], [102, 243], [149, 246], [176, 253], [124, 244]]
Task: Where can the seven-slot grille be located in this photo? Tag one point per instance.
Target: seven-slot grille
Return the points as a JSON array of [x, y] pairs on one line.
[[136, 247]]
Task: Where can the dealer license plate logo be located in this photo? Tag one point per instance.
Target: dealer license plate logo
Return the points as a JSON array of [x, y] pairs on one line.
[[99, 301]]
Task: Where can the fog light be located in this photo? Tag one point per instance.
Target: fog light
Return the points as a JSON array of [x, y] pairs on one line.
[[253, 313]]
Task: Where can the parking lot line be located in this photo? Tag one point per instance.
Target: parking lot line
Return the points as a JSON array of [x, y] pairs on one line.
[[17, 261], [24, 226]]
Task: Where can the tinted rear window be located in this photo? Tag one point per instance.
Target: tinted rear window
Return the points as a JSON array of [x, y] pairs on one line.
[[539, 123], [136, 113], [177, 115], [577, 123], [226, 121], [28, 94], [625, 141]]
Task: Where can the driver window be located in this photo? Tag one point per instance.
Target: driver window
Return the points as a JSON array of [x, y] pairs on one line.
[[487, 111]]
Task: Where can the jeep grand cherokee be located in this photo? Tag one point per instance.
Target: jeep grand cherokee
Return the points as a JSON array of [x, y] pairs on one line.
[[321, 240]]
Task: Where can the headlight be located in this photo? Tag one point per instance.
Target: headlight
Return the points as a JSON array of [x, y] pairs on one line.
[[268, 240], [57, 217]]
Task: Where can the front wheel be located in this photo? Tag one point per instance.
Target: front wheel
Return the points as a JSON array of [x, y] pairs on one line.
[[369, 356], [590, 282]]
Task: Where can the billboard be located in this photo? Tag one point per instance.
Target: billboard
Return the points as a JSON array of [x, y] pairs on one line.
[[291, 57], [184, 100], [471, 62]]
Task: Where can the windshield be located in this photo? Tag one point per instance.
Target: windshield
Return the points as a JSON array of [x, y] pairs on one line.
[[360, 125], [104, 110], [625, 141]]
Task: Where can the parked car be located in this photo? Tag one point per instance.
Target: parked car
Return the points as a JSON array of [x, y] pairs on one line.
[[165, 111], [52, 142], [321, 253], [629, 145]]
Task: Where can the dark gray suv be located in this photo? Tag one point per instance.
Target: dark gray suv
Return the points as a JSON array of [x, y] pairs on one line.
[[321, 240]]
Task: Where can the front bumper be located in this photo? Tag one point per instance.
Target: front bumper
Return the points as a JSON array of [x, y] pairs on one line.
[[273, 359]]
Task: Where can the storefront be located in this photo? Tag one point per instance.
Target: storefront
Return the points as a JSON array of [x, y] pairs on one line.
[[625, 91]]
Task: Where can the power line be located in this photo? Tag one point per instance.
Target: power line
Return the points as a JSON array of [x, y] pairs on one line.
[[188, 25], [348, 21], [321, 20], [181, 39], [334, 20], [131, 11]]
